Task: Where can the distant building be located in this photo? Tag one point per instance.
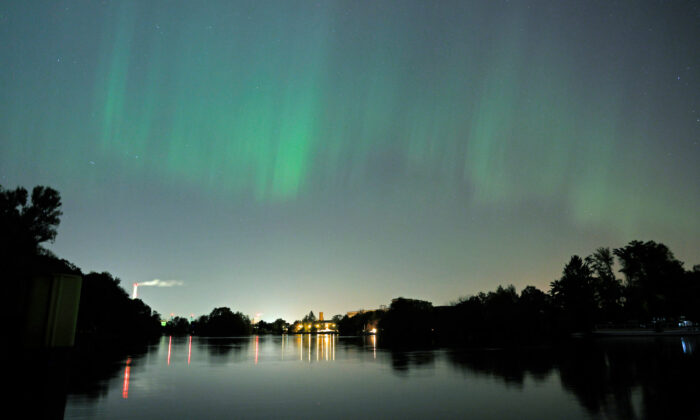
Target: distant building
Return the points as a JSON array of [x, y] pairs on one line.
[[319, 326]]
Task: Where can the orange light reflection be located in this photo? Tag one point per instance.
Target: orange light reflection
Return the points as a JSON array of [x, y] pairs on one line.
[[256, 349], [301, 347], [374, 345]]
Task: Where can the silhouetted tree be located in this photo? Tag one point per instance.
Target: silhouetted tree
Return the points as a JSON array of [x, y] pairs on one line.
[[222, 322], [199, 325], [533, 299], [407, 320], [574, 295], [177, 326], [25, 225], [607, 289], [107, 313], [310, 317], [534, 313], [262, 327], [690, 304], [360, 323], [501, 311], [653, 279], [279, 326]]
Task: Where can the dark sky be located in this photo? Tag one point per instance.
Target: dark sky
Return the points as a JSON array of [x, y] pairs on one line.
[[281, 157]]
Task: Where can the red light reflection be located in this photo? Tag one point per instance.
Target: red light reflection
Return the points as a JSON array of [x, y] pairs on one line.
[[170, 344], [127, 371], [189, 352]]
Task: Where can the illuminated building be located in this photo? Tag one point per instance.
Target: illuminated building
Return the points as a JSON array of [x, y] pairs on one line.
[[319, 326]]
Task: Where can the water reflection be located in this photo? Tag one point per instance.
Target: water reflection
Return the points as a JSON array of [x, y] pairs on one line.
[[404, 361], [307, 347], [320, 347], [687, 345], [189, 351], [512, 367], [170, 345], [90, 370], [256, 349], [224, 350], [127, 371], [610, 378]]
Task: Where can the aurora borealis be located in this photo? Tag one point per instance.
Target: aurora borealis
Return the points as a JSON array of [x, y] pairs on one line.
[[288, 156]]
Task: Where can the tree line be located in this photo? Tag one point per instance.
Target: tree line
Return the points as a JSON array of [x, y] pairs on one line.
[[655, 291], [221, 322]]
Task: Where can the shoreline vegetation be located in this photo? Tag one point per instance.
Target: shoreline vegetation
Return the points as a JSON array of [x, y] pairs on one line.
[[655, 294]]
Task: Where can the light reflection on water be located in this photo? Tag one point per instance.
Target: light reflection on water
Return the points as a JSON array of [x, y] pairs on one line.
[[308, 347], [321, 376], [127, 371]]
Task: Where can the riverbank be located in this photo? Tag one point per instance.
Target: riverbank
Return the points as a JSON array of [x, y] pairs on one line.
[[645, 333]]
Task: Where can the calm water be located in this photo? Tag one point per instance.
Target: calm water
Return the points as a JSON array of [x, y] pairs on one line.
[[336, 377]]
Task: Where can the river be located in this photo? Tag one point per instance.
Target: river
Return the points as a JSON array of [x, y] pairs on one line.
[[327, 376]]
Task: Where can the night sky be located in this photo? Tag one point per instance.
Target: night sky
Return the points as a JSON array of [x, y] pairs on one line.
[[282, 157]]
